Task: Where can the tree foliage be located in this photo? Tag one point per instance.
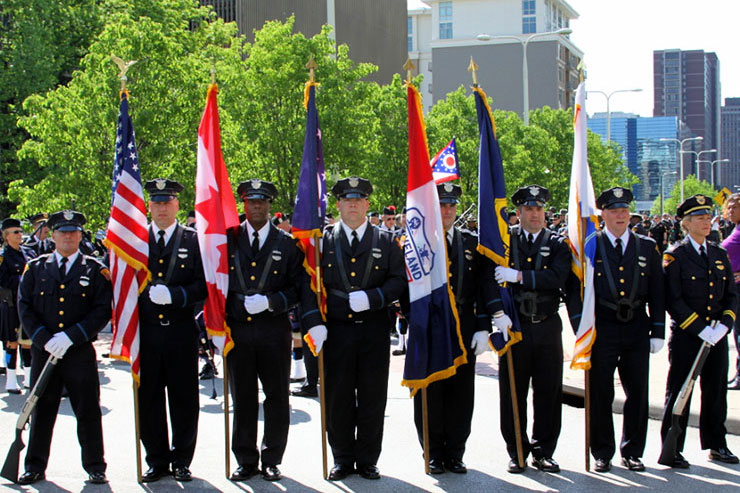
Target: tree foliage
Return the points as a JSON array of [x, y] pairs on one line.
[[691, 186]]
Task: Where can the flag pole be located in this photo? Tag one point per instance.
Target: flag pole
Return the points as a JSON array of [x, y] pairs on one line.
[[425, 427], [124, 66], [312, 66], [137, 430]]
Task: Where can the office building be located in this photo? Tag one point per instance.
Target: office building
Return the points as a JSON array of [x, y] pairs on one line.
[[443, 35], [373, 30], [728, 174]]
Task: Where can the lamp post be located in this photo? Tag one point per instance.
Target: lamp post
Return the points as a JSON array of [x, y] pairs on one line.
[[525, 68], [711, 164], [680, 155], [699, 159], [608, 112], [662, 191]]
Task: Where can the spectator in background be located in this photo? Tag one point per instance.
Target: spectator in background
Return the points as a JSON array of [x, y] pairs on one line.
[[732, 245]]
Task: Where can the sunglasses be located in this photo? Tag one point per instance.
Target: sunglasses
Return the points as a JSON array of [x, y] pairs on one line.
[[17, 231]]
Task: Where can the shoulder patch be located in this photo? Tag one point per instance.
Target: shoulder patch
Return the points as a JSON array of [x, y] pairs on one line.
[[668, 259], [1, 260], [105, 273]]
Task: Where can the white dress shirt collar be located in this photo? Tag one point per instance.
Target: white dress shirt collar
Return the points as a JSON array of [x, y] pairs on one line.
[[697, 245], [348, 231], [167, 232], [613, 239], [262, 232], [70, 260], [534, 235]]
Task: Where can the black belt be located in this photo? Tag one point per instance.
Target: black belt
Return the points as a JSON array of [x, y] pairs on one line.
[[532, 319], [623, 307]]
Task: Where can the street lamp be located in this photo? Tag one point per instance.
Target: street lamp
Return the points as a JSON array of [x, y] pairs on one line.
[[711, 164], [680, 156], [608, 112], [662, 191], [525, 69], [699, 159]]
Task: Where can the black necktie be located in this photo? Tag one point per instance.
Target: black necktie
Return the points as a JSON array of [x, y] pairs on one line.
[[530, 240], [449, 242], [255, 243], [63, 266], [619, 250], [703, 254], [160, 241], [355, 242]]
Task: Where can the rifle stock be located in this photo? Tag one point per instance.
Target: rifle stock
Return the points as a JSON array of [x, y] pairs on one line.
[[12, 460], [670, 444]]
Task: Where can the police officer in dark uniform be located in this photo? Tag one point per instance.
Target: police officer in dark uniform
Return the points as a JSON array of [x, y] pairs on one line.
[[265, 271], [363, 272], [628, 276], [13, 259], [540, 262], [64, 300], [39, 240], [169, 337], [701, 299], [450, 401]]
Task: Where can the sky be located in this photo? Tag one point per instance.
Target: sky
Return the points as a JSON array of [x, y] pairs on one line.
[[618, 37]]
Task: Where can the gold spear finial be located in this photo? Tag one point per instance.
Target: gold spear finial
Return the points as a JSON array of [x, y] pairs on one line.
[[581, 70], [408, 66], [311, 66], [124, 66], [473, 68]]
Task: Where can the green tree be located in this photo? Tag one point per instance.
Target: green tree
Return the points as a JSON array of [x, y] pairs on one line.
[[691, 186], [41, 44]]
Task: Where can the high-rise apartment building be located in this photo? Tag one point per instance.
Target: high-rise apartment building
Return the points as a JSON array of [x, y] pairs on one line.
[[373, 30], [686, 84], [444, 34], [728, 174]]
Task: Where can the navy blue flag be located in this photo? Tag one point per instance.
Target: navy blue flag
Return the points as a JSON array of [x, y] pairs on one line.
[[493, 224]]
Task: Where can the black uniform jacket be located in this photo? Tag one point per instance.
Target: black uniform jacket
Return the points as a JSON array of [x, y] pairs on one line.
[[698, 293], [276, 272], [77, 303], [187, 283], [381, 265]]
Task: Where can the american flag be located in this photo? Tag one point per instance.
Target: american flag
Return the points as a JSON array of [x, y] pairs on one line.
[[444, 164], [127, 240]]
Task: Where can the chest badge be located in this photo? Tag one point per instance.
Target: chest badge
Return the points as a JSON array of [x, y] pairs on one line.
[[642, 261], [545, 251], [377, 253], [182, 252], [277, 255], [468, 255], [84, 281]]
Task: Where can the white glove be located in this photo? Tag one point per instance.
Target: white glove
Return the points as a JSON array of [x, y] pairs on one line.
[[358, 301], [256, 303], [219, 342], [719, 332], [160, 294], [656, 345], [318, 335], [707, 334], [506, 274], [502, 322], [58, 345], [479, 344]]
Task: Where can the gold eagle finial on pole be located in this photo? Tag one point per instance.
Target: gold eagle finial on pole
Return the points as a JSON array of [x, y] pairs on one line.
[[311, 66], [124, 66], [408, 67], [473, 68]]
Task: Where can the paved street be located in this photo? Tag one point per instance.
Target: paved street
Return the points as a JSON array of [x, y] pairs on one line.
[[401, 462]]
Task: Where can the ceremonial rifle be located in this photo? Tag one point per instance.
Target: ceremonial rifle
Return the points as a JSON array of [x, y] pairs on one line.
[[670, 444], [11, 466]]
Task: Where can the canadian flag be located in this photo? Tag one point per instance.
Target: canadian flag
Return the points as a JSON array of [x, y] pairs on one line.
[[215, 213]]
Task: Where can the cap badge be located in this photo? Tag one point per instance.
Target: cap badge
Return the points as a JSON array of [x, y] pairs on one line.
[[534, 191], [448, 187], [160, 183], [354, 181], [701, 199], [256, 184], [69, 215], [618, 193]]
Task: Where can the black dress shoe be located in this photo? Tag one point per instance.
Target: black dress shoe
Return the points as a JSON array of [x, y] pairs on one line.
[[271, 473], [13, 391], [154, 474], [399, 352], [723, 455], [436, 466], [456, 465], [98, 477], [602, 465], [182, 473], [30, 477], [340, 471], [546, 464], [514, 467], [679, 462], [633, 463], [369, 471], [306, 391], [243, 473], [734, 384]]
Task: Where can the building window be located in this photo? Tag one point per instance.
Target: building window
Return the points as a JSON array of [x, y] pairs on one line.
[[445, 20], [529, 20], [410, 34]]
